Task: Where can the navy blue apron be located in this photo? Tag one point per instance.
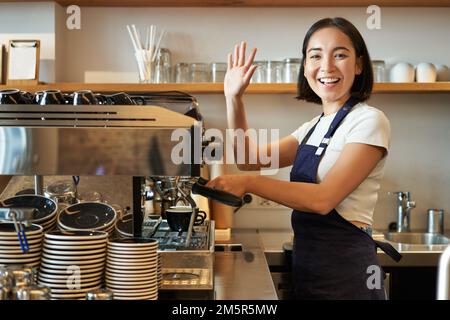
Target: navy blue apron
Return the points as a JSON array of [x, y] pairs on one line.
[[331, 256]]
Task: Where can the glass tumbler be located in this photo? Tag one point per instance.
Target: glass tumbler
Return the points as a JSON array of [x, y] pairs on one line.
[[274, 71], [218, 70], [182, 73], [199, 72], [259, 76], [163, 66], [291, 70], [378, 70]]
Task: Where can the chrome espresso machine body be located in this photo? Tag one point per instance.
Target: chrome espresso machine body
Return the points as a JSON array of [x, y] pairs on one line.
[[127, 140]]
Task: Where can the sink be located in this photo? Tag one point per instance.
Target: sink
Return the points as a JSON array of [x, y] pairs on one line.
[[416, 238]]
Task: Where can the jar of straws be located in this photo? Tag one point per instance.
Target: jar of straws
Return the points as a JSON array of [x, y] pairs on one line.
[[145, 50]]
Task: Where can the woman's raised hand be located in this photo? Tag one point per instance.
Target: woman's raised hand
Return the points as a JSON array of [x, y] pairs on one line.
[[239, 71]]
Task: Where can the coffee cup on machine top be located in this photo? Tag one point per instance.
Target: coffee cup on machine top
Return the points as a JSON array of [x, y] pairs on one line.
[[50, 97], [14, 96], [84, 97], [179, 217]]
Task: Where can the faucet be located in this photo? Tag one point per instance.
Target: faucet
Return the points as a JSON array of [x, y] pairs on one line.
[[404, 206]]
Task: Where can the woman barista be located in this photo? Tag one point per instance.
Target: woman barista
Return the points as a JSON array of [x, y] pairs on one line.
[[338, 160]]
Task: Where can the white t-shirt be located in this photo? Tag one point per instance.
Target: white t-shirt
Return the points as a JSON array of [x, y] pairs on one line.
[[364, 124]]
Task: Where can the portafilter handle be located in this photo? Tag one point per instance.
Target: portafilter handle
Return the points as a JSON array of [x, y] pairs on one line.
[[221, 196]]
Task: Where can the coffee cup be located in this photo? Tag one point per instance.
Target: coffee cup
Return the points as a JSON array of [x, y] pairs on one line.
[[120, 98], [179, 217], [442, 73], [13, 96], [84, 97], [402, 72], [425, 72], [50, 97]]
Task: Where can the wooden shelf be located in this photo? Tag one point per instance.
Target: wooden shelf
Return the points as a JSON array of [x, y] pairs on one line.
[[217, 88], [248, 3]]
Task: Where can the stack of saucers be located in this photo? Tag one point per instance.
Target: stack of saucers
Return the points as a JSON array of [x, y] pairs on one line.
[[88, 216], [10, 249], [73, 262], [132, 269], [160, 277], [45, 213]]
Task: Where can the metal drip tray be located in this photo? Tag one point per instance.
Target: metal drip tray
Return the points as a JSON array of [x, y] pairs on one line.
[[187, 269], [179, 278]]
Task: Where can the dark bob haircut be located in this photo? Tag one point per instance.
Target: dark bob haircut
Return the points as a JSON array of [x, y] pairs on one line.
[[363, 83]]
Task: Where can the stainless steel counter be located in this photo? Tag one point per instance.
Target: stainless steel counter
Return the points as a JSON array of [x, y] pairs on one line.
[[243, 275]]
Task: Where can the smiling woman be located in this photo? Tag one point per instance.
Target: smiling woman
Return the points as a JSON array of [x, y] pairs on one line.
[[337, 162]]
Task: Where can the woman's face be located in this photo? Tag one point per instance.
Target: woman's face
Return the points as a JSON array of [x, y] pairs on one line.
[[331, 64]]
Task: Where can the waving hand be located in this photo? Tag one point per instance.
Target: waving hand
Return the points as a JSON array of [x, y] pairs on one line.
[[239, 71]]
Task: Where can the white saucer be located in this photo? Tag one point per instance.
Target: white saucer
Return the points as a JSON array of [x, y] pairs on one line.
[[112, 246], [79, 263], [134, 260], [129, 271], [114, 277], [15, 241], [150, 297], [84, 290], [20, 255], [73, 252], [151, 283], [128, 243], [101, 242], [76, 235], [133, 291], [137, 268], [12, 250], [73, 266], [14, 237], [83, 276], [64, 271], [19, 261], [57, 285], [131, 254], [127, 256], [142, 265], [34, 229], [73, 258]]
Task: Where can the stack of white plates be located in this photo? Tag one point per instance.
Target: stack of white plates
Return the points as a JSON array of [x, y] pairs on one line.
[[10, 250], [132, 269], [88, 216], [73, 262]]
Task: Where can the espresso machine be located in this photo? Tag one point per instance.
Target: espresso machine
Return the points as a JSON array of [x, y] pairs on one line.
[[111, 139]]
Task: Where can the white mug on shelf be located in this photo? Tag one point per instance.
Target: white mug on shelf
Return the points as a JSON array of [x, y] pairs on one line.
[[425, 72], [402, 72], [442, 73]]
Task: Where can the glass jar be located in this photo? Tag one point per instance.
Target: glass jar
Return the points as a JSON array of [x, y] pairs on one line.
[[378, 70], [291, 70], [259, 76], [199, 72], [274, 72], [182, 73], [218, 70], [163, 66]]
